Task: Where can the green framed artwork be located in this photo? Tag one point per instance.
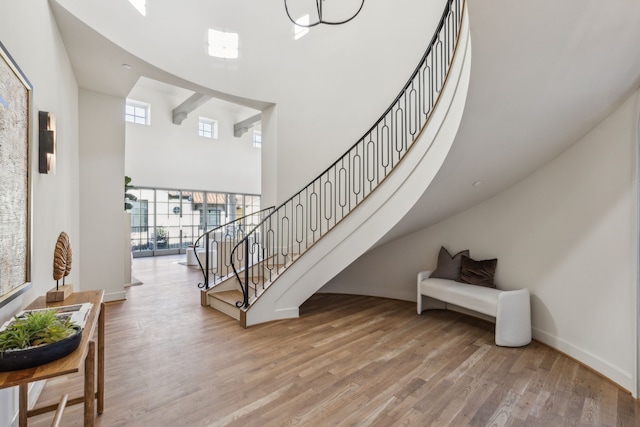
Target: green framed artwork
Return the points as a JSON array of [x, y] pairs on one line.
[[15, 215]]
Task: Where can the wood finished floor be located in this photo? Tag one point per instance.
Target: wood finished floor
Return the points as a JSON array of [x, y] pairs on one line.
[[347, 360]]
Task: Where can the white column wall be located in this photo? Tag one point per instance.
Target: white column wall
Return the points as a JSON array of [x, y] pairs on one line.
[[567, 233], [30, 35], [269, 160], [102, 193]]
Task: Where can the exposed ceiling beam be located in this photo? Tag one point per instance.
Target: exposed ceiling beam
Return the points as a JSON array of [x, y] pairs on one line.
[[182, 111], [243, 127]]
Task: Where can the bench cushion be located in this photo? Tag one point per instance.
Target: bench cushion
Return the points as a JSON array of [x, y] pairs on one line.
[[449, 266], [478, 272], [481, 299]]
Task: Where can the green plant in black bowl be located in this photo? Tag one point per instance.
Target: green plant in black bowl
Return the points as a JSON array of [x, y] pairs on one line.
[[36, 338]]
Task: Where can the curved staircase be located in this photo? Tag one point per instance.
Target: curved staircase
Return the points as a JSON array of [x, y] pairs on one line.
[[300, 245]]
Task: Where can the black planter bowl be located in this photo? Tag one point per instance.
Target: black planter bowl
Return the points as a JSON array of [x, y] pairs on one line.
[[14, 360]]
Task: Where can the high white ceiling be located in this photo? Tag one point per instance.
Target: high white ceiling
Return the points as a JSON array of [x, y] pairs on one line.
[[544, 72]]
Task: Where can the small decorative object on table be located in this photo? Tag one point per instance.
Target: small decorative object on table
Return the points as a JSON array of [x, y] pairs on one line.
[[62, 257], [36, 337]]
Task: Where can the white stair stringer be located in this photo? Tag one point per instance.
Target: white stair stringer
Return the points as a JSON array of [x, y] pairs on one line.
[[381, 211]]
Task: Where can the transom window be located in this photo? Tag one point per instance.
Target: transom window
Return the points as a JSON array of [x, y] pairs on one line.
[[137, 112], [208, 128]]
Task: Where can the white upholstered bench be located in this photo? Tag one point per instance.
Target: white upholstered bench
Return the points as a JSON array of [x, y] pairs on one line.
[[511, 310]]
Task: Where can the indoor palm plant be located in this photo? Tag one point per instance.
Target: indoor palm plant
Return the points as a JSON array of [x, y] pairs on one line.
[[128, 197]]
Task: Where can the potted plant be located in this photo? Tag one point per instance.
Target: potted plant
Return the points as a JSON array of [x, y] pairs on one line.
[[128, 197], [36, 338]]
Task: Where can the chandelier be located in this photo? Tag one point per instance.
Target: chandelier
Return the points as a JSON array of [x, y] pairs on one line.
[[320, 18]]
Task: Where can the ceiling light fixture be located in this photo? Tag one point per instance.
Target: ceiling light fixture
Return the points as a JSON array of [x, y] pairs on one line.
[[223, 44], [320, 19]]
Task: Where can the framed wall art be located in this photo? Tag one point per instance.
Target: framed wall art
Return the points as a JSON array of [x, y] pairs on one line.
[[15, 209]]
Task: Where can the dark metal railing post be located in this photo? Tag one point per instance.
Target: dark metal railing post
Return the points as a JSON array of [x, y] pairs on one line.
[[206, 262], [246, 274], [235, 232]]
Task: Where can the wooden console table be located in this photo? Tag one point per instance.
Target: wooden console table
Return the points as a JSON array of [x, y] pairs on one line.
[[84, 354]]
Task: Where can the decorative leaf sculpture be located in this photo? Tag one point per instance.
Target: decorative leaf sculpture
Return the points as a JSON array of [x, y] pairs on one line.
[[67, 269], [62, 257]]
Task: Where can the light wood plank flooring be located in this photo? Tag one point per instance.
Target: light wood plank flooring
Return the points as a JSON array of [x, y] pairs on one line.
[[348, 360]]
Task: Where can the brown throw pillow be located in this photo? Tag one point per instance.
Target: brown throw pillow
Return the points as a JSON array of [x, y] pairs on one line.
[[449, 266], [478, 272]]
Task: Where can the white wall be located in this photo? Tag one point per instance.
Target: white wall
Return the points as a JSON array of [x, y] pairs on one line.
[[334, 66], [269, 161], [165, 155], [102, 192], [29, 33], [338, 80], [567, 233]]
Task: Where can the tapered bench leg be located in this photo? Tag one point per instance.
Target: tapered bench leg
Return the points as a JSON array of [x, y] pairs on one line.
[[513, 319]]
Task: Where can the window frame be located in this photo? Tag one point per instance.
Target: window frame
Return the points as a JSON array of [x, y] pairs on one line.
[[258, 134], [144, 106], [207, 121]]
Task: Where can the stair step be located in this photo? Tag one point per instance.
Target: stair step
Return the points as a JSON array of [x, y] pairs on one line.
[[225, 302], [230, 297]]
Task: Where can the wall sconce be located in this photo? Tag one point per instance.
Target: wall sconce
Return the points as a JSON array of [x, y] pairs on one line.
[[47, 149]]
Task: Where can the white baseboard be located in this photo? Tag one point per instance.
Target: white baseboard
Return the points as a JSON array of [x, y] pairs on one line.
[[134, 282], [278, 314], [613, 373], [115, 296]]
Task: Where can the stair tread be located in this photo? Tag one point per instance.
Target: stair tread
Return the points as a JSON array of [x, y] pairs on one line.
[[230, 297]]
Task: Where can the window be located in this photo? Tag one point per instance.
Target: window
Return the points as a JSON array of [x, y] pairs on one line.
[[140, 216], [223, 45], [208, 128], [257, 139], [213, 219], [137, 112], [168, 221]]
